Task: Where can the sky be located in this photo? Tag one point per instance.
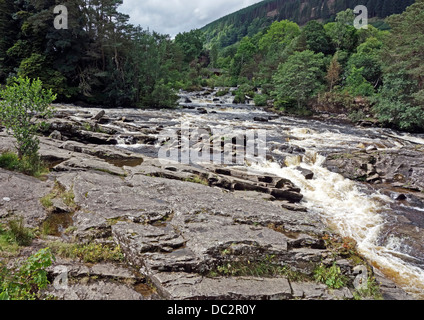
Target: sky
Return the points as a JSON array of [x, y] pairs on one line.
[[175, 16]]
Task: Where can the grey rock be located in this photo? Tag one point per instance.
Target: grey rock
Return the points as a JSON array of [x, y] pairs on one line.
[[24, 193], [308, 174], [97, 291], [56, 135], [100, 115], [182, 286]]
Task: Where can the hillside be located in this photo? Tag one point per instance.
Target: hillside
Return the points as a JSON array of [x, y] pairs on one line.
[[248, 21]]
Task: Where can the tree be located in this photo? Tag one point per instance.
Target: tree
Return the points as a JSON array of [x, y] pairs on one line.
[[342, 33], [400, 101], [282, 32], [244, 55], [395, 105], [316, 39], [191, 43], [300, 78], [21, 101], [357, 85], [368, 58], [8, 35], [333, 72]]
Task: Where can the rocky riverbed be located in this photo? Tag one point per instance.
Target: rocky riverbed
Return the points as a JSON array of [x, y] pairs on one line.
[[210, 230]]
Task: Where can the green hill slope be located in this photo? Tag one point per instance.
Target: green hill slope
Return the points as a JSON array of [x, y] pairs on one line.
[[248, 21]]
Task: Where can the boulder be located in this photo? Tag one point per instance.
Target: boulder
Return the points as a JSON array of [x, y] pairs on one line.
[[99, 115], [308, 174]]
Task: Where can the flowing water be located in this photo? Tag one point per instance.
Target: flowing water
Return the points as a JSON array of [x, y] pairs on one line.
[[353, 209]]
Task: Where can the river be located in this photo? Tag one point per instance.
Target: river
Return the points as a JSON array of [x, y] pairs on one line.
[[367, 213]]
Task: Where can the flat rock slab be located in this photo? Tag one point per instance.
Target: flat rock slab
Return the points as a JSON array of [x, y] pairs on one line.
[[195, 247], [20, 196], [144, 199], [183, 286], [98, 291]]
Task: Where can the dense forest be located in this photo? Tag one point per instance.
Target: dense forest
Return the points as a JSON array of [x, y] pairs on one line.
[[101, 59], [249, 21]]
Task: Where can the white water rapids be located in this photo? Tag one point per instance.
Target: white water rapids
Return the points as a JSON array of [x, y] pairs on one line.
[[342, 204], [352, 213]]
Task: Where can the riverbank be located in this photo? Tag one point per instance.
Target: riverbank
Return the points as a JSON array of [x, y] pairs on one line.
[[185, 232]]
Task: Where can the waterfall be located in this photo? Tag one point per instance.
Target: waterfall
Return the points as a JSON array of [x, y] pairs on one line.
[[352, 213]]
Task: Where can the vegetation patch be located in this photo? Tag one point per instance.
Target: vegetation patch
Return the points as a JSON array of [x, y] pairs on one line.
[[222, 92], [15, 234], [330, 276], [26, 165], [267, 268], [196, 179], [371, 290], [88, 253], [59, 192], [27, 280]]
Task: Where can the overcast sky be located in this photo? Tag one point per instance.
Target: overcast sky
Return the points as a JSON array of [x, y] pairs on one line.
[[174, 16]]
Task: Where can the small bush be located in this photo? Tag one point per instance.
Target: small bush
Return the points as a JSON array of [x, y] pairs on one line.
[[222, 92], [27, 165], [25, 282], [260, 100], [17, 233], [330, 276], [23, 236], [239, 98], [19, 102], [9, 161]]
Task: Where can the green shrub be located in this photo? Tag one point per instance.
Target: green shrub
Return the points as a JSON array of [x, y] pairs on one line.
[[19, 233], [29, 165], [330, 276], [239, 98], [222, 92], [9, 161], [260, 100], [16, 234], [25, 282], [20, 101]]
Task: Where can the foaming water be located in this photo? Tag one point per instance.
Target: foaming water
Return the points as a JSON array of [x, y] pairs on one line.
[[351, 213]]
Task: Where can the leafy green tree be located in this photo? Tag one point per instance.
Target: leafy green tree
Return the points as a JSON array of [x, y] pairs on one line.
[[9, 30], [21, 101], [191, 43], [342, 33], [282, 32], [244, 55], [368, 58], [316, 38], [357, 85], [401, 99], [395, 104], [300, 78]]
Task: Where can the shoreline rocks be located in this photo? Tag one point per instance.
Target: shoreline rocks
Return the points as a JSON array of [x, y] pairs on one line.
[[178, 226]]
